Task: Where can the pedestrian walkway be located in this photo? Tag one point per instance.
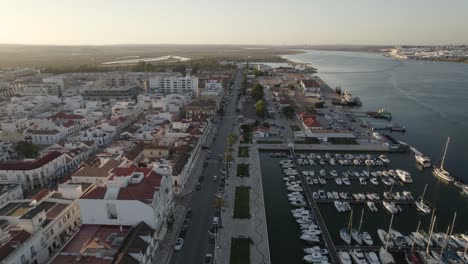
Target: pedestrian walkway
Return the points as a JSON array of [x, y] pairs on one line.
[[165, 247], [254, 228]]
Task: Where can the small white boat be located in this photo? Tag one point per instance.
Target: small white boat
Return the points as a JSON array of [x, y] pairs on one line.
[[384, 159], [306, 173], [372, 206], [362, 181], [338, 181], [312, 173], [385, 238], [422, 207], [422, 160], [297, 203], [344, 234], [339, 206], [322, 181], [315, 258], [386, 181], [329, 195], [322, 194], [372, 258], [343, 195], [322, 173], [316, 249], [404, 176], [390, 207], [366, 238], [309, 180], [356, 236], [345, 258], [374, 181], [310, 238], [385, 257], [398, 238], [358, 257], [439, 171], [333, 173], [295, 188], [346, 181]]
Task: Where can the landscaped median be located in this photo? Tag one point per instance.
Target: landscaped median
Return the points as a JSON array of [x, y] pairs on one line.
[[243, 170], [240, 251], [243, 152], [242, 202]]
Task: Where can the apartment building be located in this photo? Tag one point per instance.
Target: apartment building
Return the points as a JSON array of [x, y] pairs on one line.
[[173, 84]]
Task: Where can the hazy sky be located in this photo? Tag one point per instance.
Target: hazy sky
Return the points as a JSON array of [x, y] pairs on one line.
[[234, 22]]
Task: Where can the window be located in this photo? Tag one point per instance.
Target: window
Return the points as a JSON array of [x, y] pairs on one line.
[[33, 251]]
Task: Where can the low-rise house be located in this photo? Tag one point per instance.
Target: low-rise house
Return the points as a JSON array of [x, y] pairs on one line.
[[201, 109], [9, 192], [310, 88], [34, 173], [98, 174], [261, 132]]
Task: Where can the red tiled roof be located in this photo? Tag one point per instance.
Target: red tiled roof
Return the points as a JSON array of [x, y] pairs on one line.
[[40, 195], [311, 83], [143, 191], [311, 122], [56, 210], [261, 128], [71, 259], [96, 194], [17, 238], [31, 165]]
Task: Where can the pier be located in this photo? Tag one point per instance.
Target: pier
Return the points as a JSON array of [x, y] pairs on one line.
[[318, 216], [353, 201]]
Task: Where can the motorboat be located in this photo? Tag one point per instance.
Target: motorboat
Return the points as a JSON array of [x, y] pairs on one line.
[[322, 173], [385, 238], [412, 257], [315, 195], [333, 173], [398, 238], [344, 174], [339, 206], [356, 236], [371, 206], [366, 173], [346, 181], [374, 181], [344, 234], [338, 181], [386, 181], [404, 176], [316, 249], [345, 258], [322, 194], [315, 258], [305, 220], [343, 195], [310, 238], [312, 173], [297, 203], [347, 206], [315, 181], [422, 207], [422, 160], [440, 172], [372, 258], [306, 173], [336, 196], [362, 181], [311, 232], [290, 178], [439, 239], [309, 180], [459, 241], [408, 195], [358, 257], [386, 257], [295, 194], [417, 239], [390, 207], [295, 188], [322, 181], [367, 239], [384, 159]]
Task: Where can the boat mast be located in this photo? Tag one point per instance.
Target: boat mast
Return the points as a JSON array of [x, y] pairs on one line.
[[424, 192], [388, 233], [445, 153], [350, 224], [445, 241], [464, 251], [417, 229], [430, 234], [360, 223], [453, 223]]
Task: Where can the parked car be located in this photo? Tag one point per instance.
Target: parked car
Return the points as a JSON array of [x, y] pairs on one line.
[[198, 186], [188, 214], [178, 244], [215, 221], [215, 178], [185, 224], [208, 259]]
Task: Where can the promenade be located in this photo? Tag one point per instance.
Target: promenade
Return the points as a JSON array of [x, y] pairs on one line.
[[255, 227]]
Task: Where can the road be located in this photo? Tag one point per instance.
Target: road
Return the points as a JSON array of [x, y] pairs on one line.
[[196, 242]]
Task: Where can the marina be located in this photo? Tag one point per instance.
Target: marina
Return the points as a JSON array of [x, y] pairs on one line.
[[329, 221]]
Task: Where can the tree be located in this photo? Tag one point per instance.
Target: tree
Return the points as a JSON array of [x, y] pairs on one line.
[[231, 138], [288, 112], [257, 92], [27, 150], [149, 67], [260, 108]]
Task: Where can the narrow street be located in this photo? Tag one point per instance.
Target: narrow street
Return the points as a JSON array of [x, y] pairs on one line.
[[196, 241]]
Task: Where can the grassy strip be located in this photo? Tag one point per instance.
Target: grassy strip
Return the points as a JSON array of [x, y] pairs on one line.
[[240, 251], [241, 202], [243, 152], [243, 170], [269, 142]]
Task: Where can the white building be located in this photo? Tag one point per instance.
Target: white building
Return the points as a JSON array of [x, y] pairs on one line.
[[211, 88], [42, 89], [9, 192], [311, 88], [130, 192], [173, 84], [34, 173], [33, 229]]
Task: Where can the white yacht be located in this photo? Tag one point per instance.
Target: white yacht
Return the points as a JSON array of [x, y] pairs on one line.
[[358, 257], [390, 207], [439, 171], [366, 238], [316, 249], [344, 234], [372, 258], [310, 238], [385, 257], [424, 161], [345, 258], [315, 258], [384, 238], [357, 236], [404, 176], [338, 181], [384, 159]]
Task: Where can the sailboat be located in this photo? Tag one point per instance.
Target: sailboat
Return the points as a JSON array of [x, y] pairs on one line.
[[344, 232], [422, 207], [424, 255], [356, 234], [439, 171]]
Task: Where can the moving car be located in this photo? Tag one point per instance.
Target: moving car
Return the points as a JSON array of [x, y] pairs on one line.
[[208, 259], [178, 244]]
